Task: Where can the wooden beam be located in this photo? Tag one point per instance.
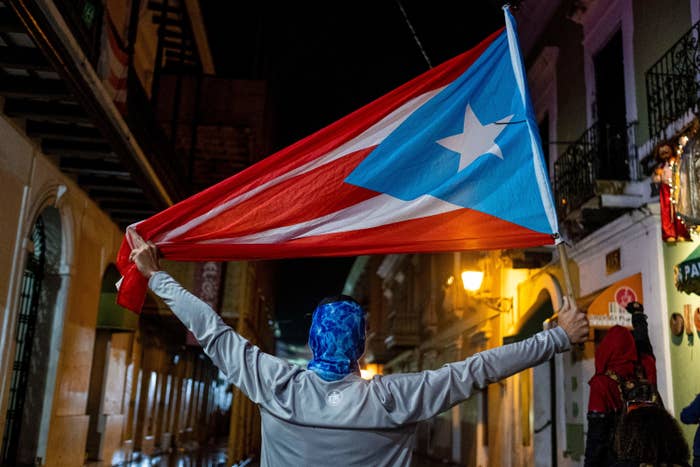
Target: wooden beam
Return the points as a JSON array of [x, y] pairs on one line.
[[78, 149], [169, 22], [170, 34], [136, 212], [158, 6], [25, 58], [9, 22], [171, 44], [124, 203], [176, 55], [106, 196], [111, 185], [45, 111], [61, 52], [63, 131], [33, 88], [93, 167]]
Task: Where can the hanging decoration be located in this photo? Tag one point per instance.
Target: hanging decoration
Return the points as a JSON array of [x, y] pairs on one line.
[[668, 175], [677, 325], [687, 181]]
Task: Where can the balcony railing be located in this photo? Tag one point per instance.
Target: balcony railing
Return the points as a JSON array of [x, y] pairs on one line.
[[672, 83], [603, 152]]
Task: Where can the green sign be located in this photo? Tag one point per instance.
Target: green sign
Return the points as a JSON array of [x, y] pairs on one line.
[[89, 12], [686, 274]]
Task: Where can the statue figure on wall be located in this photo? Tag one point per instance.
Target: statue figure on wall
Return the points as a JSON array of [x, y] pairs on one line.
[[667, 175]]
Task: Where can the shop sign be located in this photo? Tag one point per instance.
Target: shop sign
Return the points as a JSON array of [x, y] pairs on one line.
[[609, 307]]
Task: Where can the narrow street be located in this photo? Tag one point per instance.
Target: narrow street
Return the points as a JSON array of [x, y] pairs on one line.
[[467, 229]]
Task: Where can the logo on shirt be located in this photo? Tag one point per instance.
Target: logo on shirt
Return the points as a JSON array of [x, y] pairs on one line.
[[334, 397]]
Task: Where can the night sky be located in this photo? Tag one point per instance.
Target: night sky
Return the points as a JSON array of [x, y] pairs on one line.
[[323, 60]]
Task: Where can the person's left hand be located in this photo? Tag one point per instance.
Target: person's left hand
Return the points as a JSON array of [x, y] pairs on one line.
[[146, 259]]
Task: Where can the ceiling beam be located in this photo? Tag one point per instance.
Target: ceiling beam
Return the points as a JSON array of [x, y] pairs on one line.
[[25, 58], [111, 185], [106, 196], [9, 22], [124, 202], [78, 149], [45, 111], [33, 88], [158, 7], [63, 131], [172, 22], [138, 213], [92, 167], [47, 28]]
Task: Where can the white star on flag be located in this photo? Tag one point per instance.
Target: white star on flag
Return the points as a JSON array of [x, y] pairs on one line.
[[475, 140]]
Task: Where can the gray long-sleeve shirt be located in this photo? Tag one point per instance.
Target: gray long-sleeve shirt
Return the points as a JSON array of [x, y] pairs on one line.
[[307, 421]]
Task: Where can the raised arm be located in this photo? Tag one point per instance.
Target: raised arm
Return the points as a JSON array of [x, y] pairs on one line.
[[254, 372], [419, 396]]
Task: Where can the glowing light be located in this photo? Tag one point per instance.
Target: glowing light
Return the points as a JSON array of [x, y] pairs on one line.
[[450, 280], [471, 280], [370, 370]]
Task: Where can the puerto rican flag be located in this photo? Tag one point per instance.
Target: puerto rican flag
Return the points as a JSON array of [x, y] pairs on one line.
[[449, 161]]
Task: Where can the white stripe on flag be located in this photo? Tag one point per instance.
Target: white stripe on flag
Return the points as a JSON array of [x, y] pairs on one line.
[[370, 137], [381, 210]]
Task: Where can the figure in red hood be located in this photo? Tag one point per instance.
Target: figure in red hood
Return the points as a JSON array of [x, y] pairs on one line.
[[622, 355]]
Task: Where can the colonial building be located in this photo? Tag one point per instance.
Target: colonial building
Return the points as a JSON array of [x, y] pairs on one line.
[[102, 125], [611, 83]]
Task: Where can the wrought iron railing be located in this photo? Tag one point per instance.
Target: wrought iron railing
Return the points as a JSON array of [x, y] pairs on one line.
[[603, 152], [672, 83]]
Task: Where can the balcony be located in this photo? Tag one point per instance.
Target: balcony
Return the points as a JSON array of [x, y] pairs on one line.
[[593, 175], [673, 90], [97, 123]]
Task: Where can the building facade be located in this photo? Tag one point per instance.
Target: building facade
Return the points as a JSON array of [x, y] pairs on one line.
[[101, 126], [611, 83]]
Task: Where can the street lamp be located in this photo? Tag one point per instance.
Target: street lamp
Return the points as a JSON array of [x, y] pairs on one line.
[[471, 280]]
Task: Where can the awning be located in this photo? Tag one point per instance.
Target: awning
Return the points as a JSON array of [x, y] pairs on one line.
[[687, 273], [609, 307]]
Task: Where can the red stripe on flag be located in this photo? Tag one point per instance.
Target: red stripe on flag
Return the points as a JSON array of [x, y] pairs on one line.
[[302, 198], [453, 231]]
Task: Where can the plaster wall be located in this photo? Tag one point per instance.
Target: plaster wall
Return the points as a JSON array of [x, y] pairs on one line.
[[30, 182], [682, 349]]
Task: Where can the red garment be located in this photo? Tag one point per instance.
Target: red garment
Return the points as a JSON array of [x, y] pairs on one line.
[[671, 226], [618, 353]]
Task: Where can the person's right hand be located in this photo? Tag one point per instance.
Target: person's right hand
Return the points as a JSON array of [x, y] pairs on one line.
[[573, 321], [146, 259]]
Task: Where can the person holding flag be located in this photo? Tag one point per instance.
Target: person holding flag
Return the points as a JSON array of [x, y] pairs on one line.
[[450, 161], [328, 410]]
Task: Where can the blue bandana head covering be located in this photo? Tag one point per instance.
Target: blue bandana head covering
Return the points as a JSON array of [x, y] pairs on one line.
[[337, 338]]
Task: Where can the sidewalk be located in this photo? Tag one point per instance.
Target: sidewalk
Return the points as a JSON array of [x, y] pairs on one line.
[[207, 456]]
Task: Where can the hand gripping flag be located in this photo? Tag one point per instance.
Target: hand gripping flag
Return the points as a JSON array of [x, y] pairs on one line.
[[449, 161]]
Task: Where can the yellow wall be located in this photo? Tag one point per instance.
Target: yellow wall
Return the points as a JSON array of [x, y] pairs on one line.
[[30, 182]]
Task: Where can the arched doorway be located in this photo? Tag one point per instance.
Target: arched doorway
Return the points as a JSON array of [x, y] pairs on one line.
[[111, 354], [38, 292]]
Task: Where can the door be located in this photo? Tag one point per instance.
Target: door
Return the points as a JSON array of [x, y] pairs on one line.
[[611, 111]]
